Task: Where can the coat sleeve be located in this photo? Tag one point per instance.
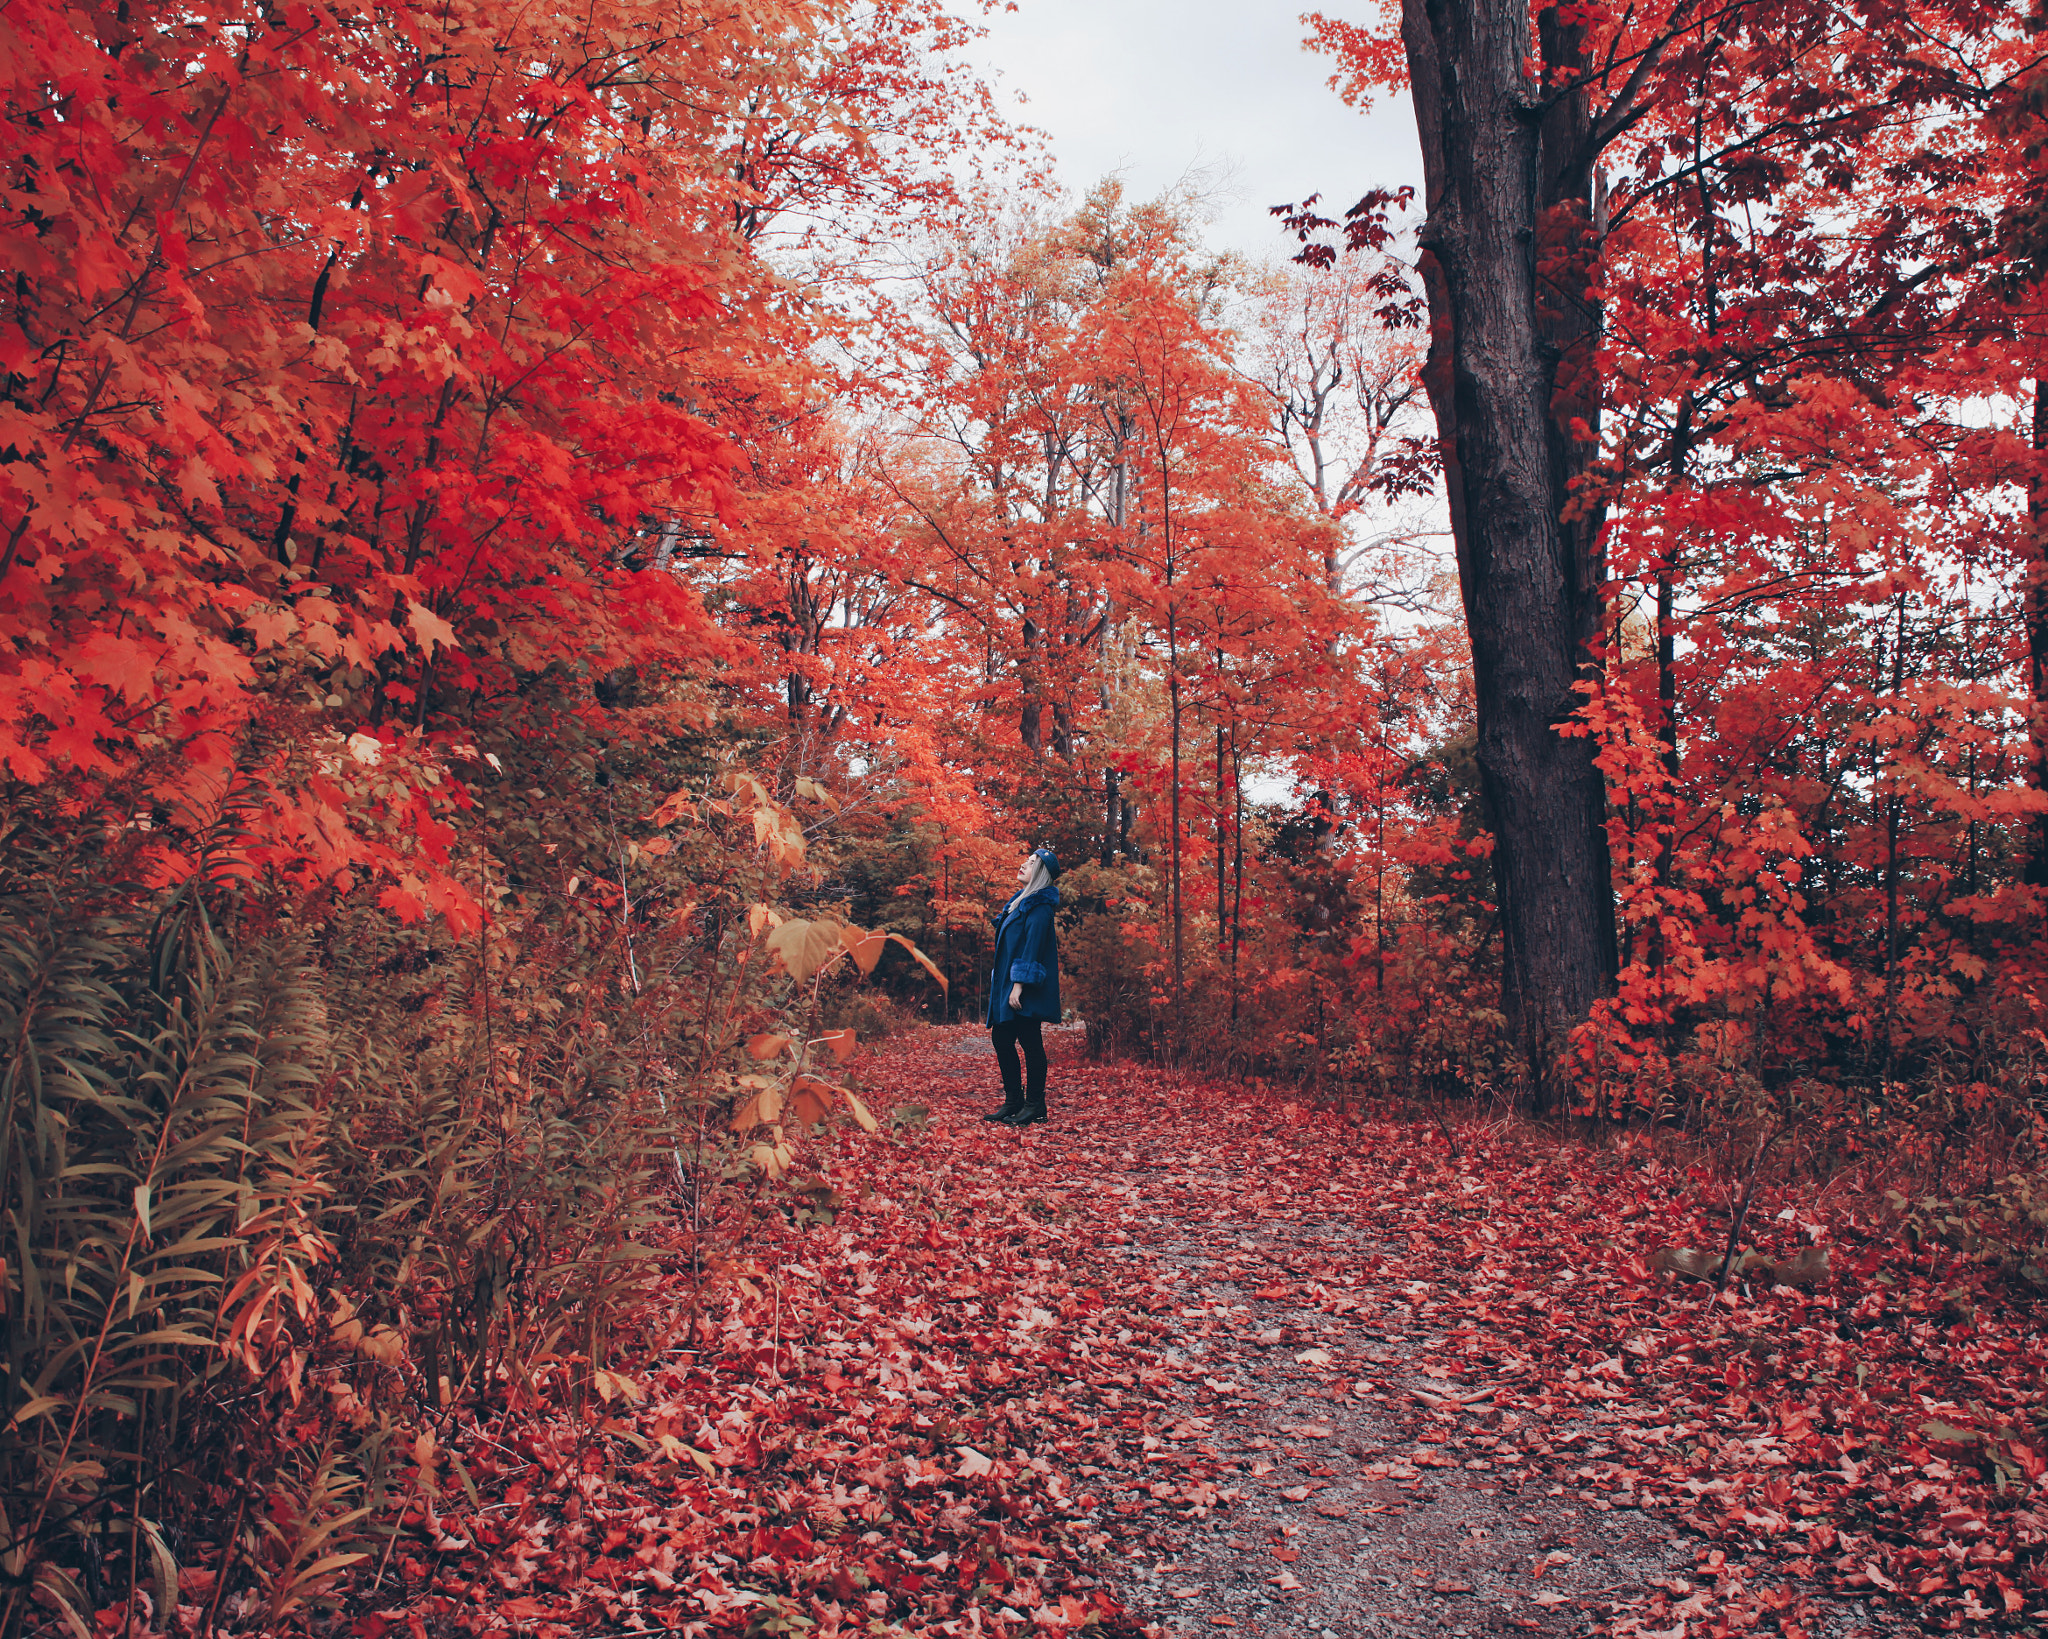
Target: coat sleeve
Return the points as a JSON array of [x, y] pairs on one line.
[[1036, 955]]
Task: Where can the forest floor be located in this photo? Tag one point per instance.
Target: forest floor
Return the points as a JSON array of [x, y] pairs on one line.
[[1195, 1358]]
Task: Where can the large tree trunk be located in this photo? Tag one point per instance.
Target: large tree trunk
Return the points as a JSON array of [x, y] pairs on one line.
[[1507, 253]]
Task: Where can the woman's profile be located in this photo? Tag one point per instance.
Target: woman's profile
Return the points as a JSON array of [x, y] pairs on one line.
[[1024, 988]]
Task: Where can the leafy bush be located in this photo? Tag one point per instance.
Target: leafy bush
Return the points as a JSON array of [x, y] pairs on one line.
[[285, 1207]]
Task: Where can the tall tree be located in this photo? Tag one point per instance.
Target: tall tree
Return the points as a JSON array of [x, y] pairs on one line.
[[1807, 185], [1504, 261]]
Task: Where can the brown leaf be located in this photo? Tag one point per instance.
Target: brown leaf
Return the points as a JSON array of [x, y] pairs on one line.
[[1685, 1262], [1807, 1267], [805, 947]]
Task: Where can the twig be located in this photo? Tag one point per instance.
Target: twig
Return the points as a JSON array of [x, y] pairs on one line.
[[227, 1560], [1444, 1127], [1742, 1211], [397, 1531]]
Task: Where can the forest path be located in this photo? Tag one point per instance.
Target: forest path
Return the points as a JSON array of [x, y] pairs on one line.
[[1383, 1459], [1197, 1358]]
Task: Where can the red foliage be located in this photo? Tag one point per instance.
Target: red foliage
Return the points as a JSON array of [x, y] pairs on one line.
[[956, 1397]]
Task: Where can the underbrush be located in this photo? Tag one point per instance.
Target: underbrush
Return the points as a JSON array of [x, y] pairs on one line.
[[1929, 1114], [298, 1192]]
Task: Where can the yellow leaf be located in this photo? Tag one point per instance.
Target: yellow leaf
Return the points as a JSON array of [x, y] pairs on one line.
[[922, 960], [861, 1113], [429, 628], [807, 1104], [842, 1043], [805, 947], [675, 1451], [766, 1045], [865, 948], [672, 808]]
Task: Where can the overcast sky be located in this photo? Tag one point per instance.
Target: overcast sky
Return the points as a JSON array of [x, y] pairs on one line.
[[1155, 88]]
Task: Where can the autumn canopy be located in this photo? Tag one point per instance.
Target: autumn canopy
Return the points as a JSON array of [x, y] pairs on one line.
[[551, 563]]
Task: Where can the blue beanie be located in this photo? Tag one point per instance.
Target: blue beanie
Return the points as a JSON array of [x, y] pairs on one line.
[[1052, 861]]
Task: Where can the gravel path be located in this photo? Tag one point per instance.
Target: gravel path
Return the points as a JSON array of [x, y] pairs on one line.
[[1357, 1489]]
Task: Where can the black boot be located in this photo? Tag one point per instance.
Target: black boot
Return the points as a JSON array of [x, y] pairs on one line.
[[1033, 1111], [1004, 1039]]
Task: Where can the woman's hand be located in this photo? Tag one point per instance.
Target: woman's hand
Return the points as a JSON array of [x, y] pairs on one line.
[[1016, 996]]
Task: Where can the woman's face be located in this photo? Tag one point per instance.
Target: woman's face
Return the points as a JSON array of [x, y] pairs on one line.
[[1024, 870]]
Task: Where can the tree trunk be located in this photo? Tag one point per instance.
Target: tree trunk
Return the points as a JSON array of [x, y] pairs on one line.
[[1180, 987], [1031, 720], [946, 916], [2037, 638], [1112, 829], [1222, 842], [1507, 257], [1237, 867], [1894, 813]]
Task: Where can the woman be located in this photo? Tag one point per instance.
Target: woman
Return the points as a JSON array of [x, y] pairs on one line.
[[1024, 988]]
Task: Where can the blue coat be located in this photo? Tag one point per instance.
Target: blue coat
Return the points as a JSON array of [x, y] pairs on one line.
[[1027, 953]]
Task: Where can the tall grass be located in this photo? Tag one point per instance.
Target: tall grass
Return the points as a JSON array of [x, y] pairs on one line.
[[289, 1189]]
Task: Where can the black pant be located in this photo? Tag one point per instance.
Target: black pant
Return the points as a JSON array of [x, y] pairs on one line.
[[1008, 1037]]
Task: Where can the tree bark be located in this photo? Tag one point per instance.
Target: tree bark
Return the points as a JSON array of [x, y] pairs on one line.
[[1222, 843], [1180, 982], [1507, 257], [1237, 867], [2036, 606]]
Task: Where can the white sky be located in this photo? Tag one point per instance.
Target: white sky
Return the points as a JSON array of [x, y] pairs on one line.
[[1155, 88]]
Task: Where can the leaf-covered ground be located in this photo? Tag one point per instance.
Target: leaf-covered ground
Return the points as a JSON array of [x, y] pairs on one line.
[[1195, 1357]]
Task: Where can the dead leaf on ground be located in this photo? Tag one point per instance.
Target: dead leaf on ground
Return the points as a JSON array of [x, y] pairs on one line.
[[1684, 1261]]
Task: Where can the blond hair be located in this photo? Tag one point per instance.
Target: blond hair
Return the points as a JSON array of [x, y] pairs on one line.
[[1040, 877]]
